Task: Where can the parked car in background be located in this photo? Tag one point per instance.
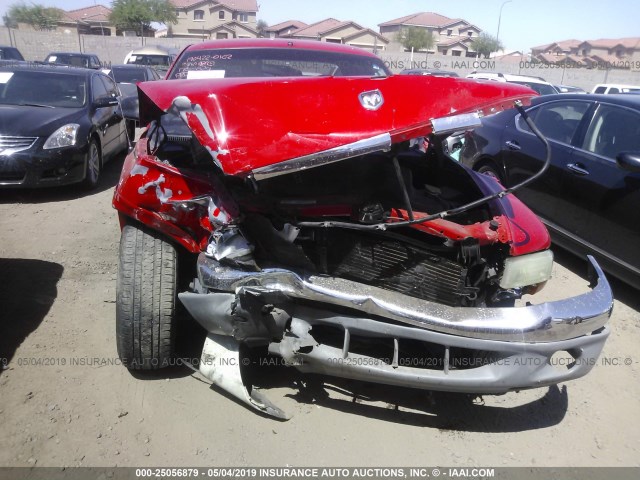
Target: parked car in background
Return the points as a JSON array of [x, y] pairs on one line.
[[58, 125], [132, 73], [83, 60], [155, 57], [10, 53], [10, 56], [428, 71], [612, 88], [127, 76], [539, 85], [590, 197], [276, 194], [568, 89]]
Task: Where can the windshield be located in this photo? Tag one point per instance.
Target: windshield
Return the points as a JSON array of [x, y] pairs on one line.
[[42, 88], [540, 88], [153, 60], [72, 60], [129, 75], [273, 62]]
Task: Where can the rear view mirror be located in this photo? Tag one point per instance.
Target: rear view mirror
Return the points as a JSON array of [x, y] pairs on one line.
[[629, 161]]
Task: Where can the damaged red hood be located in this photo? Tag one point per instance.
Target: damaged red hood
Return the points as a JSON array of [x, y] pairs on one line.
[[248, 124]]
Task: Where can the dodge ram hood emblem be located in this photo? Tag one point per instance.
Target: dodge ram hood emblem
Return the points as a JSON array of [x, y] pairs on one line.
[[371, 100]]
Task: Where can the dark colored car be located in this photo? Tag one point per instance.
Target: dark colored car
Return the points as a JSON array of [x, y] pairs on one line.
[[131, 73], [428, 71], [127, 76], [10, 56], [83, 60], [569, 89], [590, 197], [58, 125], [10, 53], [295, 215]]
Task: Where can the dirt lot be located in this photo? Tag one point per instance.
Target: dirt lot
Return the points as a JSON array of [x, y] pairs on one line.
[[63, 401]]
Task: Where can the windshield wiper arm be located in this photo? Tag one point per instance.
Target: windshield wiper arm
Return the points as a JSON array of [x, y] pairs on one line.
[[35, 105]]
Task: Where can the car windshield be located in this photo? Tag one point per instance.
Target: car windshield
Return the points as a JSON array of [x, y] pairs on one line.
[[540, 88], [10, 54], [128, 75], [72, 60], [273, 62], [153, 60], [41, 88]]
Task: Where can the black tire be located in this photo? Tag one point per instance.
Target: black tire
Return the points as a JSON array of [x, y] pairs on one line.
[[93, 166], [490, 170], [146, 292]]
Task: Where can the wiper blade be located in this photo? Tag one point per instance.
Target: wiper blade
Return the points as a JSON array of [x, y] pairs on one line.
[[35, 105]]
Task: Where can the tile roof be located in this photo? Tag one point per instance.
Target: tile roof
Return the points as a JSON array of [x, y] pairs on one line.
[[288, 24], [373, 33], [320, 27], [564, 45], [94, 13], [425, 19], [240, 5], [629, 42], [604, 58], [455, 40]]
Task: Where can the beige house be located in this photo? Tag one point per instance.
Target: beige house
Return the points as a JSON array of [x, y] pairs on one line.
[[611, 52], [337, 31], [452, 36], [215, 19]]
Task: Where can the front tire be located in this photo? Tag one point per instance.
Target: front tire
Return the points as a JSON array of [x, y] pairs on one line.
[[93, 166], [146, 300]]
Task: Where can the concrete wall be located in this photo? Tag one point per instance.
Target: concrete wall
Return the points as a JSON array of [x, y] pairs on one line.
[[36, 45], [580, 77]]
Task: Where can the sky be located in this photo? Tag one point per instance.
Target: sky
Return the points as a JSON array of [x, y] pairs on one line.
[[524, 23]]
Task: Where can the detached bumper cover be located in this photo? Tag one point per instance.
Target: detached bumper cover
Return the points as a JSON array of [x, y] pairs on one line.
[[474, 350]]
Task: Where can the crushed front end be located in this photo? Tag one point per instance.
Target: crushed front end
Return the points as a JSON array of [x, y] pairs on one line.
[[315, 237]]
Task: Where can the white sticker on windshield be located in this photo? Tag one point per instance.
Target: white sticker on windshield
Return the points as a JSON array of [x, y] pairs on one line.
[[132, 58], [52, 59], [198, 74], [5, 76]]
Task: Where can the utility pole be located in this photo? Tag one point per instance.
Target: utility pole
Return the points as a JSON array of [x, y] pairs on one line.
[[500, 18]]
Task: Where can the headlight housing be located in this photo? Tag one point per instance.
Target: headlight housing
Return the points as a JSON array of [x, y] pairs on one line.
[[65, 136], [525, 270]]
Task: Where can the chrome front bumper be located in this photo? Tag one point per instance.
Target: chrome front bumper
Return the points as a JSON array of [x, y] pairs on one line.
[[504, 349], [546, 322]]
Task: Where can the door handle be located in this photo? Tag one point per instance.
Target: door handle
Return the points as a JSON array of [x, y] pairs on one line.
[[513, 145], [578, 168]]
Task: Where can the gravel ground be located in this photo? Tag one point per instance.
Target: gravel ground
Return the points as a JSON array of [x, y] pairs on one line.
[[64, 400]]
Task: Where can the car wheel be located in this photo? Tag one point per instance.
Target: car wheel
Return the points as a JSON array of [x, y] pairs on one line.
[[93, 166], [491, 171], [145, 300]]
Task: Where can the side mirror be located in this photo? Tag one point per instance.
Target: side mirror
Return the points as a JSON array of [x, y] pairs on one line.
[[629, 161], [103, 102]]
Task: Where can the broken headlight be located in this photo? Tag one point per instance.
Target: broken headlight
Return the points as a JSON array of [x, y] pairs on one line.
[[525, 270]]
